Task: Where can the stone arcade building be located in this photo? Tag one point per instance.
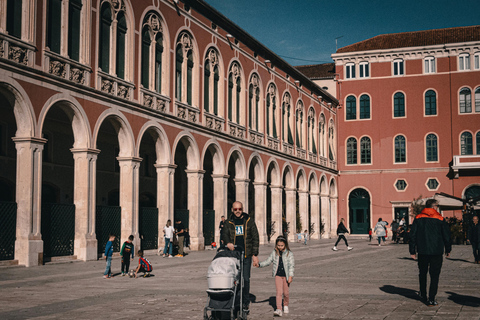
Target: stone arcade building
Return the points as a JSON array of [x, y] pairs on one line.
[[116, 115]]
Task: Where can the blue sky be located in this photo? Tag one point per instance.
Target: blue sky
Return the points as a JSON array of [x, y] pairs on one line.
[[306, 29]]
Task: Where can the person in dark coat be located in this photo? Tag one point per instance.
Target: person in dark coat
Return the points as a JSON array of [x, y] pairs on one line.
[[341, 230], [474, 238], [429, 239]]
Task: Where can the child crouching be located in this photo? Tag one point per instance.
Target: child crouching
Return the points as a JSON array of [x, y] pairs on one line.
[[143, 265], [283, 268]]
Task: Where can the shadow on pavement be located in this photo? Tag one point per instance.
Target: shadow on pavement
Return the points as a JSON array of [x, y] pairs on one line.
[[406, 258], [271, 301], [462, 260], [463, 300], [407, 293]]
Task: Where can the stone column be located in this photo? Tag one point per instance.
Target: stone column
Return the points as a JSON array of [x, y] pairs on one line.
[[241, 187], [276, 210], [85, 203], [195, 208], [333, 216], [29, 243], [315, 214], [261, 210], [165, 184], [291, 212], [129, 180], [325, 217], [303, 209], [220, 182]]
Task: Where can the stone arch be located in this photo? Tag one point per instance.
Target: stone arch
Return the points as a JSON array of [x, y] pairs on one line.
[[74, 112], [324, 190], [162, 145], [313, 182], [23, 109], [240, 166], [193, 155], [301, 179], [275, 173], [288, 174], [123, 129], [218, 157], [257, 162], [333, 188]]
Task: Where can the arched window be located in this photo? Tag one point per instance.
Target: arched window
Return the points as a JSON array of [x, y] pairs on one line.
[[211, 80], [253, 102], [477, 138], [352, 151], [465, 100], [331, 140], [430, 103], [466, 144], [121, 42], [477, 99], [74, 25], [14, 18], [184, 68], [271, 110], [54, 26], [152, 30], [399, 105], [400, 149], [311, 131], [286, 123], [321, 135], [364, 107], [351, 108], [234, 91], [365, 150], [431, 147], [299, 125], [104, 41]]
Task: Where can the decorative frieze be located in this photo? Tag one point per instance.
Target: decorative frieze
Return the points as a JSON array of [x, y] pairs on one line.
[[323, 161], [288, 148], [301, 153], [66, 68], [213, 122], [186, 112], [312, 157], [57, 68], [115, 86], [273, 143], [18, 54], [237, 130], [256, 137]]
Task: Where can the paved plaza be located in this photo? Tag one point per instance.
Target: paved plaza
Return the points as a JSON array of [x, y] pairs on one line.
[[369, 282]]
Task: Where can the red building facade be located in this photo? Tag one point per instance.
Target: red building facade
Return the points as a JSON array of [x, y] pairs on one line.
[[409, 122]]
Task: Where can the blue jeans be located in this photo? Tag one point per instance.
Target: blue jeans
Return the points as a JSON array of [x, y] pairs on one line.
[[380, 238], [168, 246], [108, 269]]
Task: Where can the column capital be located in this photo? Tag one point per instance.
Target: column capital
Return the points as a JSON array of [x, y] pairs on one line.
[[188, 171], [276, 187], [241, 180], [302, 192], [165, 166], [220, 176], [290, 190], [314, 193], [86, 150], [132, 159], [260, 184], [30, 139]]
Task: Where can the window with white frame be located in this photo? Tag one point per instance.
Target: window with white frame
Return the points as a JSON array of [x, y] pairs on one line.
[[476, 61], [152, 51], [466, 143], [431, 147], [350, 71], [398, 69], [364, 70], [464, 62], [351, 151], [211, 76], [465, 100], [477, 99], [429, 63]]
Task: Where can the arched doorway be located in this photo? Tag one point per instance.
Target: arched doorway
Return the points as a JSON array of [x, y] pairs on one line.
[[473, 192], [359, 211]]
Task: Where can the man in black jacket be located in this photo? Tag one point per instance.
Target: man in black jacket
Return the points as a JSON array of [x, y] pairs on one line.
[[474, 238], [429, 236]]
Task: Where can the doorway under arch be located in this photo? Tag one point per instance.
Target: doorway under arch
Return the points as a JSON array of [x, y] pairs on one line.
[[359, 211]]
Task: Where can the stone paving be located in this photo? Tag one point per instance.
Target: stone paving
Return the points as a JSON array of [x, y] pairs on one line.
[[369, 282]]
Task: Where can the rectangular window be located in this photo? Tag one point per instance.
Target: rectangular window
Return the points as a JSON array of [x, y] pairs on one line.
[[477, 61], [54, 25], [364, 70], [430, 65], [74, 29], [350, 71], [158, 67], [14, 18], [398, 67]]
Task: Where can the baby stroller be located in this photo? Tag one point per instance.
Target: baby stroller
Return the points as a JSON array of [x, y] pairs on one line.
[[225, 286]]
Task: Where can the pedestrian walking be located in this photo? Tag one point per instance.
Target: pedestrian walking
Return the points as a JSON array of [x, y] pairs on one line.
[[474, 238], [283, 269], [380, 231], [241, 231], [429, 239], [341, 230], [305, 237], [127, 251], [168, 232], [180, 233], [108, 257], [369, 234]]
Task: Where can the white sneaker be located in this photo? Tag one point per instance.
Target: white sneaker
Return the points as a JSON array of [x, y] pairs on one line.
[[350, 248], [334, 249], [278, 313], [285, 309], [379, 245]]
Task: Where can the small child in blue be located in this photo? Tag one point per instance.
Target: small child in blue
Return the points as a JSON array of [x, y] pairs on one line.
[[108, 257], [305, 237], [283, 268], [299, 237]]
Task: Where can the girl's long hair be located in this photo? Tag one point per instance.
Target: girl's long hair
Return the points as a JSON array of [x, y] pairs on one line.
[[285, 241], [169, 223]]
